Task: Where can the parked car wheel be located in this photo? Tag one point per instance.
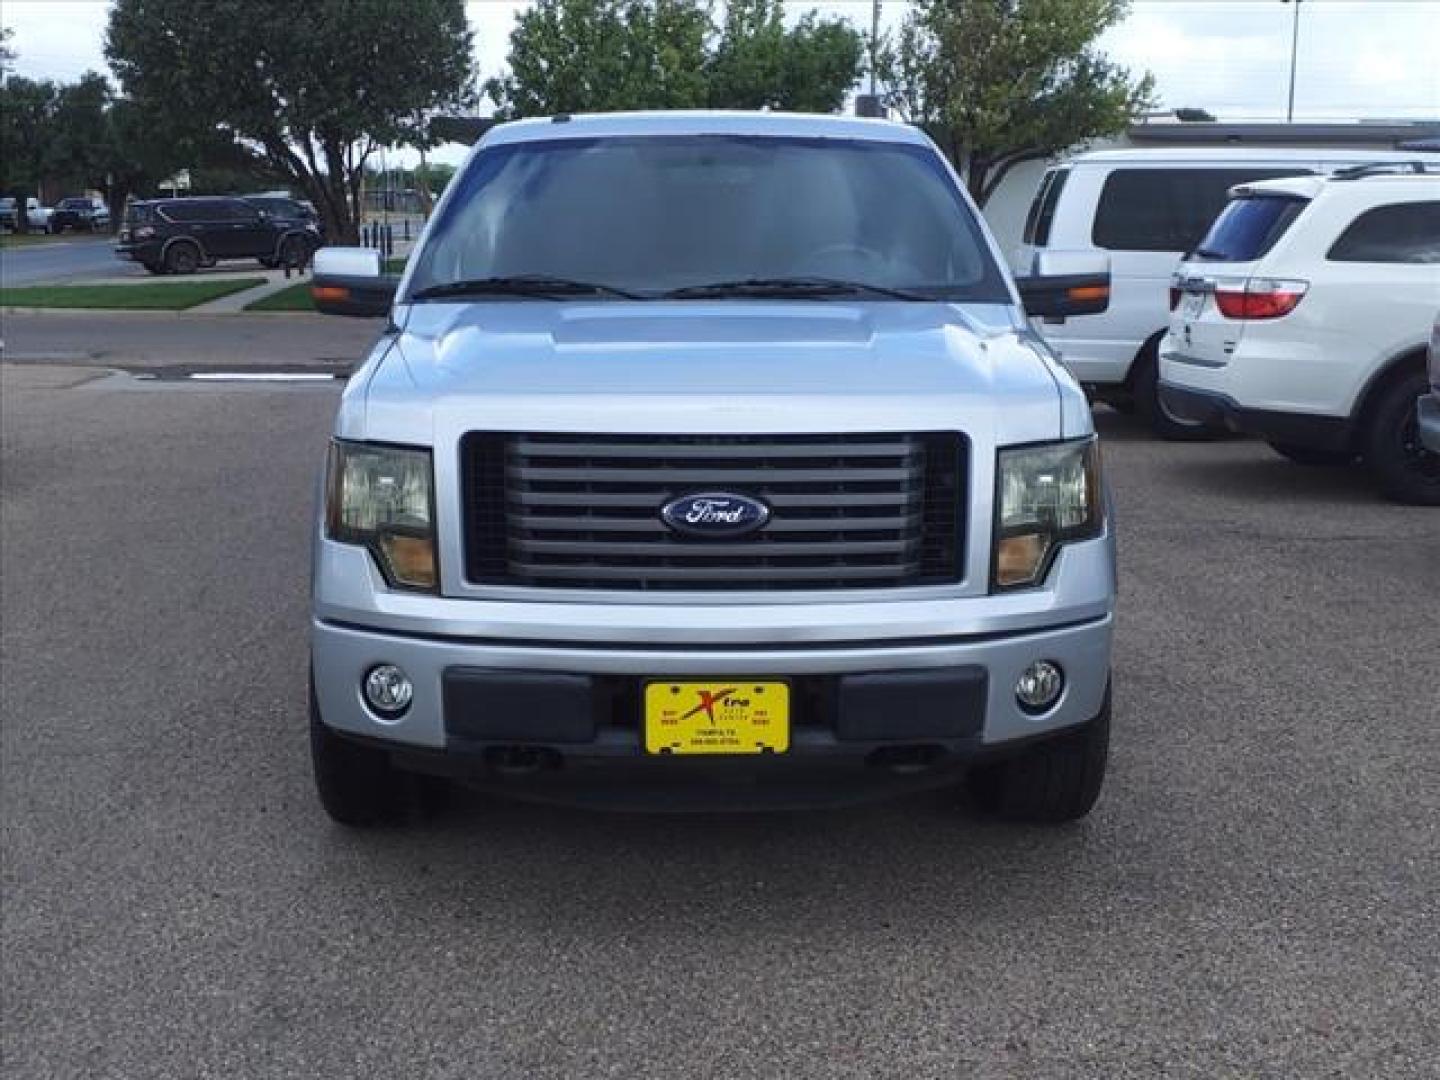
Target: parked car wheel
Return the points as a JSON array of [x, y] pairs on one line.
[[357, 784], [1308, 455], [1405, 470], [1054, 781], [359, 787], [1152, 410], [182, 259]]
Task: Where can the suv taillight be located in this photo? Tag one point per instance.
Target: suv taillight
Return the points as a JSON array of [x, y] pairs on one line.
[[1260, 298]]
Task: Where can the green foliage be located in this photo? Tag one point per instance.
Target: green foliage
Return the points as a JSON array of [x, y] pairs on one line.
[[757, 63], [27, 107], [604, 56], [998, 81], [78, 142], [153, 297], [314, 88], [610, 55]]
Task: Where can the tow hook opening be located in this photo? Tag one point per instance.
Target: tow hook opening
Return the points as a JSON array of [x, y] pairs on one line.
[[521, 760], [906, 760]]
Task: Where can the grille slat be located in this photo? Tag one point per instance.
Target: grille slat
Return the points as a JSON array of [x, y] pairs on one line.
[[582, 511], [651, 525]]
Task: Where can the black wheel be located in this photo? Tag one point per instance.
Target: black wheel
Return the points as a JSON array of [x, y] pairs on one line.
[[1152, 410], [1406, 471], [1308, 455], [154, 267], [1052, 782], [182, 259], [358, 785]]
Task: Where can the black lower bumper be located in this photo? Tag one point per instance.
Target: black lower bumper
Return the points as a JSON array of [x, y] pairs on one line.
[[578, 739], [1296, 429], [139, 252]]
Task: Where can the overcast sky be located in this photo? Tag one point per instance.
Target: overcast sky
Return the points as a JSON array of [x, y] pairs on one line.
[[1357, 58]]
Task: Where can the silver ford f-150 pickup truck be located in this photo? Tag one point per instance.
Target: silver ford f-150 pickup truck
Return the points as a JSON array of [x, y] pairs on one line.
[[709, 459]]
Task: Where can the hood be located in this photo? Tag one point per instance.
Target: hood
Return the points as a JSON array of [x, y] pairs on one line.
[[716, 366]]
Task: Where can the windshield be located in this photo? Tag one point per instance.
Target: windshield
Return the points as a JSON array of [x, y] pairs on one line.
[[654, 214], [75, 204], [1248, 228]]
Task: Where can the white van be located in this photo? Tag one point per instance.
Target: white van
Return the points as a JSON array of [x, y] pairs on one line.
[[1146, 209]]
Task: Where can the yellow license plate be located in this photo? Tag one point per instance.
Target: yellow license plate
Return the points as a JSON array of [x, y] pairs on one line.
[[730, 717]]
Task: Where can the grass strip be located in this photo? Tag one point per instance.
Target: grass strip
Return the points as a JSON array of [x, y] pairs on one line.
[[295, 298], [148, 297]]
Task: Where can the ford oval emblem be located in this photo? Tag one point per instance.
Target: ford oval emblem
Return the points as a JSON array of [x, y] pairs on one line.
[[715, 514]]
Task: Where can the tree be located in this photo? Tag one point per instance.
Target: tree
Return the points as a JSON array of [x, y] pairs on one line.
[[609, 55], [79, 148], [996, 82], [314, 88], [604, 56], [757, 63], [7, 54], [27, 109]]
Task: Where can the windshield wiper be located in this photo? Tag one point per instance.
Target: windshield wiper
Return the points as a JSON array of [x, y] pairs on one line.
[[806, 287], [541, 286]]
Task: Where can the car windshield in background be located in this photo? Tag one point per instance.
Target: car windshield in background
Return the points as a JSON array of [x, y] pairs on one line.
[[651, 215], [75, 204], [1248, 228]]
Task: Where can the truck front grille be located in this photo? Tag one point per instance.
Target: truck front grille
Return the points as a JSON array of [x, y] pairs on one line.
[[583, 511]]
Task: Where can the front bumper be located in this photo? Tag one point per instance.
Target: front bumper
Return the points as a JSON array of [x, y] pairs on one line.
[[1429, 417], [865, 719]]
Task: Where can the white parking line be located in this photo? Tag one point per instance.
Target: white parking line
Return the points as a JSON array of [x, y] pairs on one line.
[[262, 376]]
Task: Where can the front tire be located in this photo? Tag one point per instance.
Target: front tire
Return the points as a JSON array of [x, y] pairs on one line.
[[1405, 470], [357, 784], [1050, 783], [1309, 456], [182, 259], [1161, 421]]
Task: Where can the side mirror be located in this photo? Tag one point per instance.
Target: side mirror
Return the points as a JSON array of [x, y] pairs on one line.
[[1066, 283], [350, 281]]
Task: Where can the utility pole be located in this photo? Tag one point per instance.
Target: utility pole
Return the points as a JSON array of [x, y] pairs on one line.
[[1294, 50]]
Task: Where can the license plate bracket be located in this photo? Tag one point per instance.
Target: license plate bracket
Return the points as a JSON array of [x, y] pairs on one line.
[[685, 717]]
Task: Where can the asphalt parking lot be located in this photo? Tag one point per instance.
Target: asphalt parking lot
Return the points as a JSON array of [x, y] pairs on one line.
[[1254, 896]]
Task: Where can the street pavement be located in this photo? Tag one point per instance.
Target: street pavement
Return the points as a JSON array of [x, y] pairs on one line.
[[165, 339], [70, 258], [1255, 895]]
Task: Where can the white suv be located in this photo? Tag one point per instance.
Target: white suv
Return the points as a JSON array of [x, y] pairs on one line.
[[1303, 315], [1145, 209]]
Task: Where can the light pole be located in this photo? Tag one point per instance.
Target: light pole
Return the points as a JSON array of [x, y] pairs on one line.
[[1294, 47]]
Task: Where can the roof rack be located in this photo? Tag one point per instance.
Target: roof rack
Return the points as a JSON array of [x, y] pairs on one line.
[[1386, 168]]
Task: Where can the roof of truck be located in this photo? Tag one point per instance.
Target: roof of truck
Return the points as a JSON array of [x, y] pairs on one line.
[[698, 122], [1243, 155]]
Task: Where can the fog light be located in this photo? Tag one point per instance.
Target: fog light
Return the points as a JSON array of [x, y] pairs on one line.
[[388, 690], [1039, 686]]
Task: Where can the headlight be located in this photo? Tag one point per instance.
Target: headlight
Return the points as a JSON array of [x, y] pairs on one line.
[[1046, 496], [382, 497]]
